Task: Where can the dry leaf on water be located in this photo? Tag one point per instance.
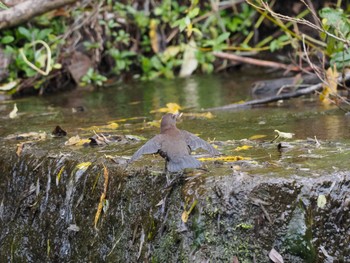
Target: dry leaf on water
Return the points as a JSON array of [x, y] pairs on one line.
[[257, 136], [242, 148], [75, 140], [171, 107], [206, 115]]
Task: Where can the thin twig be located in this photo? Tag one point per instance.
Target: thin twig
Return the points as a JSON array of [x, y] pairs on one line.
[[254, 61]]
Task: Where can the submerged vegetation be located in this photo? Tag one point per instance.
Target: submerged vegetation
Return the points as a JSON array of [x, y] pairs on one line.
[[89, 42]]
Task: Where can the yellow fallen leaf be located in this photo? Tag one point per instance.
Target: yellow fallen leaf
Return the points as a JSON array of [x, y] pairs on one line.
[[154, 123], [171, 107], [207, 115], [331, 87], [103, 195], [224, 158], [99, 128], [20, 147], [242, 148], [83, 166], [257, 136], [185, 214], [75, 140], [58, 177]]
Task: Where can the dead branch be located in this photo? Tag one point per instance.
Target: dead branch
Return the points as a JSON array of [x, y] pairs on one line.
[[24, 11], [254, 61], [295, 94]]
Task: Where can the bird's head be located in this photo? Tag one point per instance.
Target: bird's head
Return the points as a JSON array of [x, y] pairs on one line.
[[169, 121]]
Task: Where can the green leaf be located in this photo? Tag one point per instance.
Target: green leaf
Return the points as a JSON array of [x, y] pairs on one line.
[[222, 37], [2, 6], [7, 39], [25, 32], [194, 12]]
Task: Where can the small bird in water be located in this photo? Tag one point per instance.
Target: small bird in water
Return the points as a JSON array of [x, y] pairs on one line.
[[174, 146]]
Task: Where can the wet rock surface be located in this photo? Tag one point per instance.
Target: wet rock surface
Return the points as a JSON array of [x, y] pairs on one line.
[[238, 214]]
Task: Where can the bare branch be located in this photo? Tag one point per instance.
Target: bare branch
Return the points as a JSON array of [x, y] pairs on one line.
[[298, 93], [26, 10]]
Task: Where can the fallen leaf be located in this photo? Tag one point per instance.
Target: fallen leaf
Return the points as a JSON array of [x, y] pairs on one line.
[[79, 65], [257, 136], [185, 214], [58, 177], [171, 107], [321, 201], [102, 204], [242, 148], [8, 86], [102, 128], [224, 158], [207, 115], [331, 87], [36, 136], [13, 113], [275, 256], [83, 166], [75, 140], [285, 135], [19, 149]]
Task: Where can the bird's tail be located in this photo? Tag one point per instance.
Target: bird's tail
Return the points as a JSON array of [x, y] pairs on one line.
[[182, 163]]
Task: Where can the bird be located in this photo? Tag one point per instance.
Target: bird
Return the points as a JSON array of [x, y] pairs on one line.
[[174, 145]]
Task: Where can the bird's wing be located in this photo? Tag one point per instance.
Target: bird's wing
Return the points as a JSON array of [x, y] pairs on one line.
[[195, 142], [152, 146]]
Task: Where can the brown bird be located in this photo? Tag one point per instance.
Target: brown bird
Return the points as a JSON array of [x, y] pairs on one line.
[[174, 146]]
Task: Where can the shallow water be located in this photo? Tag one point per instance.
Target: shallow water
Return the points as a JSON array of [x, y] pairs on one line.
[[227, 191], [305, 117]]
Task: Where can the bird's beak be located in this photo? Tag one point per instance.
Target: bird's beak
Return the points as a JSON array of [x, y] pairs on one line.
[[178, 115]]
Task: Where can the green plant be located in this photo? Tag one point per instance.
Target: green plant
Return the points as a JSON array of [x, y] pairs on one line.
[[336, 35], [122, 59], [92, 78]]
